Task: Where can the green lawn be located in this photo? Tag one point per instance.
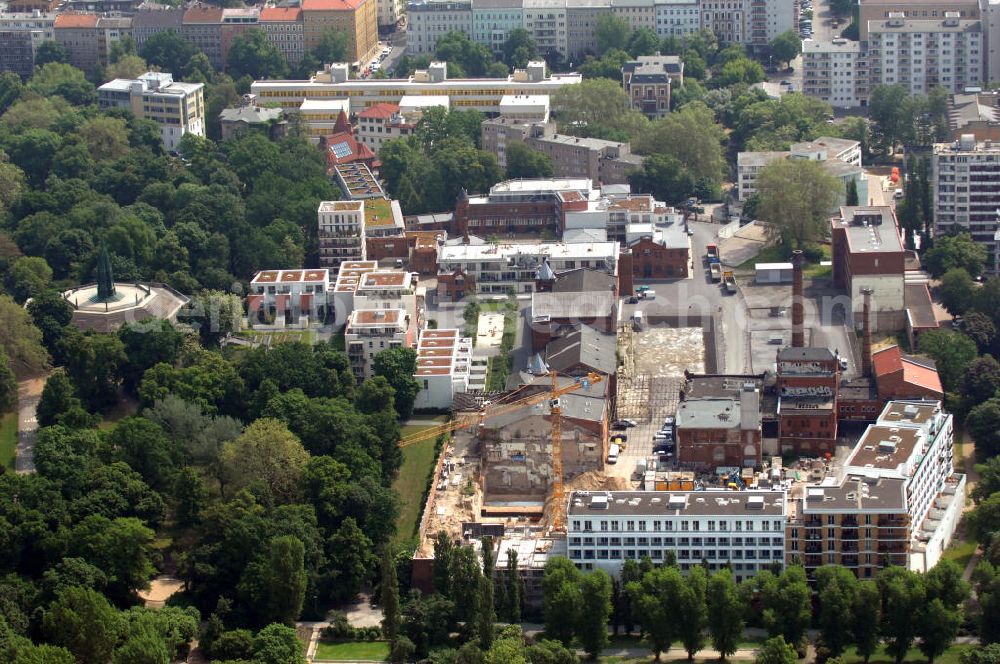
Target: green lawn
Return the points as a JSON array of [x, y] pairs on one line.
[[914, 656], [775, 254], [8, 439], [960, 552], [352, 650], [418, 460]]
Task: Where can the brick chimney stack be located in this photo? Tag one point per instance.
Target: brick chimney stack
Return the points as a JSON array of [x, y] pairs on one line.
[[866, 343], [798, 313]]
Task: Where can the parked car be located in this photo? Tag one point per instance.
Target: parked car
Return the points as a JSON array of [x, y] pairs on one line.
[[632, 300], [623, 423]]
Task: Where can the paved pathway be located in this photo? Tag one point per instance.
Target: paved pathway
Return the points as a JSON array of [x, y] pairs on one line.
[[29, 392]]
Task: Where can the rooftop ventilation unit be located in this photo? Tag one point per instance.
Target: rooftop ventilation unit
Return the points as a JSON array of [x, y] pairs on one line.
[[887, 446], [677, 502], [599, 502], [755, 503]]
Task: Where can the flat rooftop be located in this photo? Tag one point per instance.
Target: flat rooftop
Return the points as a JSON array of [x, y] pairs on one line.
[[885, 447], [910, 412], [870, 229], [376, 317], [676, 503], [290, 276], [547, 185], [710, 413], [350, 274], [336, 206], [492, 252], [384, 280], [857, 493]]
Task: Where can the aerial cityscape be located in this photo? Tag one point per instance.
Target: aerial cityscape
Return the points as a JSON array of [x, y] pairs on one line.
[[499, 331]]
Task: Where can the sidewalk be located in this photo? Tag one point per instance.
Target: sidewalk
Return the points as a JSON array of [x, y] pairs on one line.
[[29, 393]]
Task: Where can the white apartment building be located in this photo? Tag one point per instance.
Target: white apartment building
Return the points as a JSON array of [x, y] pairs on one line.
[[493, 21], [385, 315], [743, 530], [825, 149], [966, 183], [483, 94], [676, 18], [835, 71], [429, 20], [921, 54], [896, 501], [179, 108], [341, 232], [281, 299], [545, 21], [348, 277], [497, 268], [525, 108], [380, 123], [444, 363], [369, 332]]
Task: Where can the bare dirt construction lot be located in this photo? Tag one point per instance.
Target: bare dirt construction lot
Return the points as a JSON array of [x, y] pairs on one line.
[[668, 351]]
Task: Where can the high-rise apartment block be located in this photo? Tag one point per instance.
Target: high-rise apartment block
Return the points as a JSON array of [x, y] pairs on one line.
[[341, 232], [966, 181], [179, 108], [920, 45], [568, 26], [357, 18], [20, 35]]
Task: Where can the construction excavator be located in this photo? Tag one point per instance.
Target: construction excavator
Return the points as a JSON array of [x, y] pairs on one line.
[[509, 404]]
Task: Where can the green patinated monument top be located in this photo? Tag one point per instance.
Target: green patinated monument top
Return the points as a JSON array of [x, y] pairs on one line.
[[105, 279]]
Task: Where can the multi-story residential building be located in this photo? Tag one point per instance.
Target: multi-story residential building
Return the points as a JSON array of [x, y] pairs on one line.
[[647, 82], [483, 94], [341, 232], [179, 108], [841, 158], [283, 27], [20, 35], [370, 331], [390, 12], [868, 254], [493, 269], [357, 181], [751, 22], [676, 18], [835, 71], [896, 501], [525, 108], [236, 21], [111, 30], [545, 21], [922, 54], [357, 18], [744, 531], [444, 363], [149, 20], [966, 180], [493, 21], [78, 35], [124, 7], [638, 13], [383, 122], [877, 10], [429, 20], [605, 162], [385, 315], [202, 26], [289, 298], [581, 20]]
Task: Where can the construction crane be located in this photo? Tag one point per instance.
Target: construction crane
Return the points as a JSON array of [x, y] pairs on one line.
[[489, 410]]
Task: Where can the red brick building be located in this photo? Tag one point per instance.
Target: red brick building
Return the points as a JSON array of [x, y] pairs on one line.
[[900, 376], [521, 206], [808, 382], [455, 286], [720, 431], [658, 259], [419, 248]]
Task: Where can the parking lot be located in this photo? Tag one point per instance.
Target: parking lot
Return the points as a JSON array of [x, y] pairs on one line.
[[647, 400]]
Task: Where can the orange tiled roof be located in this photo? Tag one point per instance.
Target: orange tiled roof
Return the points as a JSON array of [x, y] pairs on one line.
[[925, 377], [383, 111], [280, 14], [887, 361], [74, 20]]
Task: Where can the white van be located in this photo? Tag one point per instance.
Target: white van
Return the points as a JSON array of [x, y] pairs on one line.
[[637, 320], [648, 295], [613, 452]]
